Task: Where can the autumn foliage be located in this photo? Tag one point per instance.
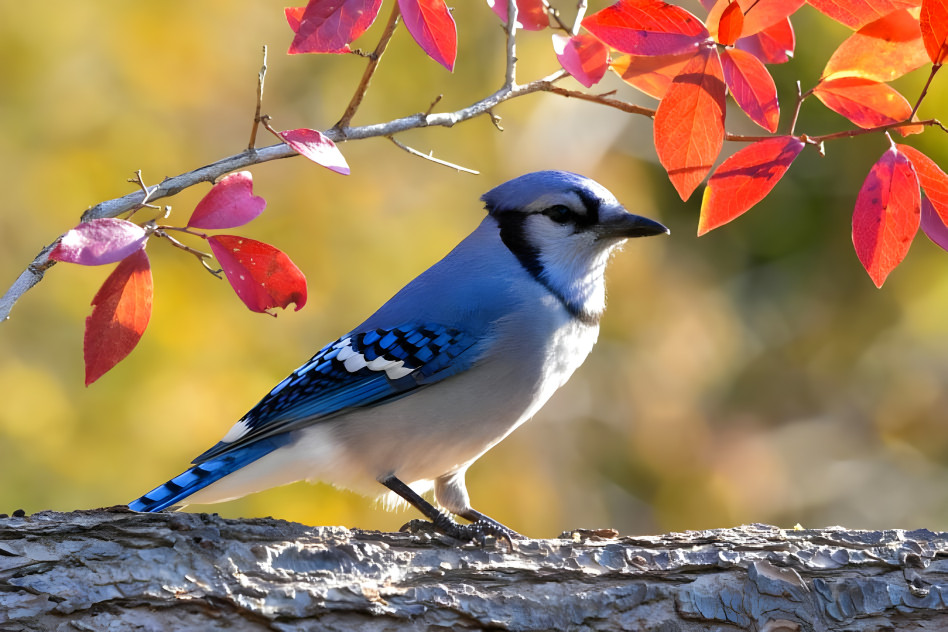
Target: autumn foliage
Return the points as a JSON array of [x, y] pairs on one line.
[[690, 64]]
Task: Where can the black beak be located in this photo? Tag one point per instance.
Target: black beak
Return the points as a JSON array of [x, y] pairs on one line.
[[628, 225]]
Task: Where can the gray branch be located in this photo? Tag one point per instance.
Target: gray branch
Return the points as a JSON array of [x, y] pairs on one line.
[[116, 570], [209, 173]]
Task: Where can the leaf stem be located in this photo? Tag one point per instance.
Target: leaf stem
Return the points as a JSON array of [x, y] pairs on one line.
[[374, 58], [201, 256]]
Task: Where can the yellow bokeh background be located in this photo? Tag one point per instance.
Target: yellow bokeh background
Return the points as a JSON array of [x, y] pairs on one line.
[[752, 375]]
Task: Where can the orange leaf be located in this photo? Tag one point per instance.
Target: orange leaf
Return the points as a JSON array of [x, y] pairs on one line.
[[731, 23], [752, 87], [932, 179], [773, 45], [934, 25], [887, 215], [647, 27], [857, 13], [745, 179], [121, 311], [651, 75], [758, 14], [689, 122], [865, 102], [882, 50]]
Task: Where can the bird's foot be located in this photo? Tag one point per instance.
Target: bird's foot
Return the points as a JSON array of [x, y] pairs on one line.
[[478, 531]]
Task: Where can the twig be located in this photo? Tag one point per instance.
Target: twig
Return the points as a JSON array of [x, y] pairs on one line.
[[510, 77], [374, 58], [256, 117], [580, 13], [796, 109], [554, 13], [445, 163], [928, 83], [146, 193], [602, 99]]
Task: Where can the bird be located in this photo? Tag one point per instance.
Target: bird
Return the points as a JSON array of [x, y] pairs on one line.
[[448, 367]]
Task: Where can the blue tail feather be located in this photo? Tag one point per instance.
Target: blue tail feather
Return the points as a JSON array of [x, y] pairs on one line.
[[200, 476]]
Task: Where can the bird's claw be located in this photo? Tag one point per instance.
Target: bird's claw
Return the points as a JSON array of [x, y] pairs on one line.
[[477, 532]]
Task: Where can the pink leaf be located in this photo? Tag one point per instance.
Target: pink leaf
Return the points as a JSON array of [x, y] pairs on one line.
[[262, 276], [432, 27], [886, 216], [121, 311], [932, 225], [328, 26], [228, 204], [531, 14], [317, 147], [582, 56], [934, 181], [100, 241]]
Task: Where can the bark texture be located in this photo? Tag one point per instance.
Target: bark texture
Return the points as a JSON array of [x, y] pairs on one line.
[[116, 570]]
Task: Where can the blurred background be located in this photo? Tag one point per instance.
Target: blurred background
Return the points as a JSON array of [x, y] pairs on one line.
[[752, 375]]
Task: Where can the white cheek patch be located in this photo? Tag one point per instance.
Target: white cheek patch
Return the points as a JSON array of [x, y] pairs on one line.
[[353, 361]]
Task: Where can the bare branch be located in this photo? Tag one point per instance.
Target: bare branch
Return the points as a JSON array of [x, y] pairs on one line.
[[374, 59], [510, 78], [445, 163], [256, 117]]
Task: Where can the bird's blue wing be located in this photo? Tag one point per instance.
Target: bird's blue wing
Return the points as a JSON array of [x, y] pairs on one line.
[[360, 369]]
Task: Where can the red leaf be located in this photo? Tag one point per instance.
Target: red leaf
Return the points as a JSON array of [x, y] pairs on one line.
[[651, 75], [262, 276], [100, 241], [328, 26], [531, 14], [745, 179], [432, 27], [857, 13], [932, 224], [865, 102], [882, 50], [934, 24], [773, 45], [317, 147], [121, 310], [752, 87], [933, 180], [758, 14], [228, 204], [886, 217], [582, 56], [689, 122], [730, 24], [647, 27]]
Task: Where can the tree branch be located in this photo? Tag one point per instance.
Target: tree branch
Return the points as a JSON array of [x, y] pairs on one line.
[[113, 569], [209, 173]]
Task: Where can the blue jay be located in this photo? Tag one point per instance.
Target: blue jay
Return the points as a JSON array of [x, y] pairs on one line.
[[443, 371]]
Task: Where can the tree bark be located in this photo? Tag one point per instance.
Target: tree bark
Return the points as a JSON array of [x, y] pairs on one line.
[[116, 570]]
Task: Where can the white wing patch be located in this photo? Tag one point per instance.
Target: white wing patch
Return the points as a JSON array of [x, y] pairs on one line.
[[354, 361], [236, 431]]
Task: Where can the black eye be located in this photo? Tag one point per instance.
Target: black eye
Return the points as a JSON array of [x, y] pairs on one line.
[[560, 214]]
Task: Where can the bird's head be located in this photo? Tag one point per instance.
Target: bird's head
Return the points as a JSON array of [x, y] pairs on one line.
[[562, 227]]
